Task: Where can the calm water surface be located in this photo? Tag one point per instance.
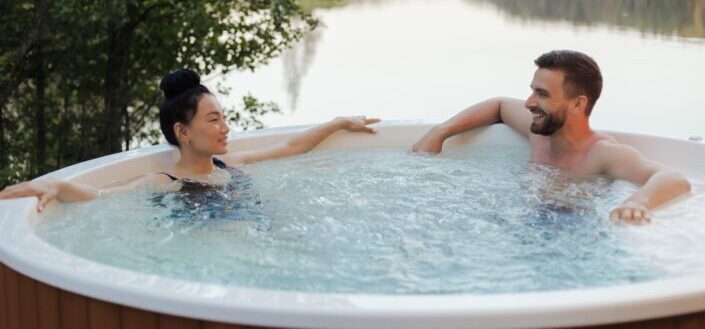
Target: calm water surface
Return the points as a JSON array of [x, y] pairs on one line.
[[427, 60]]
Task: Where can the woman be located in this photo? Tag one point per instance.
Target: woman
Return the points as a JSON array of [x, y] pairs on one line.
[[192, 120]]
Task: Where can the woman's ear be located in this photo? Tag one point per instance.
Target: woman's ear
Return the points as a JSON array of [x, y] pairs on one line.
[[181, 132]]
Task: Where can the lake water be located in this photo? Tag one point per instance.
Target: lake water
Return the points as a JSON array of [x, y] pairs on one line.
[[426, 60]]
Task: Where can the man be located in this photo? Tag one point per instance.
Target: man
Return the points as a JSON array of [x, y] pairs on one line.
[[554, 118]]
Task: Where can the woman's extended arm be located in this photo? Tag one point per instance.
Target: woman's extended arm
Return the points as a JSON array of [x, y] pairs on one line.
[[304, 141], [65, 191]]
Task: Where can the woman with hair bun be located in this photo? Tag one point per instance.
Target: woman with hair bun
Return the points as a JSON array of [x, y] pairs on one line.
[[192, 120]]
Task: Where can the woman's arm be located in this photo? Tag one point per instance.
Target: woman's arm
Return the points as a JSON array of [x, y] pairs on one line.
[[65, 191], [47, 190], [302, 142]]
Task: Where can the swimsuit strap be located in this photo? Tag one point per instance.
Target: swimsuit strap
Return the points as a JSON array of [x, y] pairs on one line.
[[218, 163], [170, 176]]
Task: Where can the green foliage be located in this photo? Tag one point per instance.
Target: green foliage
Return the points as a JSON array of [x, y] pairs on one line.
[[252, 110], [685, 18], [80, 78], [309, 5]]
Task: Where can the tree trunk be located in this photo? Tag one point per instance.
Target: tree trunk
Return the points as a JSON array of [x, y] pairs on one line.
[[63, 130], [3, 148], [17, 61], [117, 56], [115, 72], [14, 65], [127, 137], [39, 114], [116, 88]]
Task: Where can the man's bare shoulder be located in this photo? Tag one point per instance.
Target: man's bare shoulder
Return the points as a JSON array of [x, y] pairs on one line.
[[608, 154], [606, 144], [605, 152], [607, 147]]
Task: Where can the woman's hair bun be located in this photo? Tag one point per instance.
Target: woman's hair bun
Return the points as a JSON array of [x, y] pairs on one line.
[[179, 81]]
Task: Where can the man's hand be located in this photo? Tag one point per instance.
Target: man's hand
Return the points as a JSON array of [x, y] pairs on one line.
[[659, 183], [632, 212], [432, 142]]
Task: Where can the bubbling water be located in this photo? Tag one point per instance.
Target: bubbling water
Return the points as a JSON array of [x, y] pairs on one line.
[[476, 219]]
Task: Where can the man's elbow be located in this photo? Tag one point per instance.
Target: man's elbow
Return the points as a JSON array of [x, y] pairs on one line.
[[680, 184], [684, 184], [501, 102]]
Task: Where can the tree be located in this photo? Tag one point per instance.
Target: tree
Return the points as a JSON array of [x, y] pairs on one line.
[[82, 76]]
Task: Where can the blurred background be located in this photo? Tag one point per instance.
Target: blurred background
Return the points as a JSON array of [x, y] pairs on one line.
[[79, 80]]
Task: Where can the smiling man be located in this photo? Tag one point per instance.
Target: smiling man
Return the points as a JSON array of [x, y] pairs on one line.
[[554, 118]]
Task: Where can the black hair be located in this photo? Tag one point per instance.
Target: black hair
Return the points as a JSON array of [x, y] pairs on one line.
[[182, 89], [581, 75]]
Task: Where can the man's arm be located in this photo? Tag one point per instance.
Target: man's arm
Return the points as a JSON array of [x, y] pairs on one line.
[[511, 111], [660, 184]]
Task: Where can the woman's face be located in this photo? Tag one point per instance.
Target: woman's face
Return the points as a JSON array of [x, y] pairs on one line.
[[207, 132]]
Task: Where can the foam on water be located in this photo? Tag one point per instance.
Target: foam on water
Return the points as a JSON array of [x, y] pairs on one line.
[[476, 219]]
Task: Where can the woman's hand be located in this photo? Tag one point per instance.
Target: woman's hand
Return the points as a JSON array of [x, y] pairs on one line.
[[358, 123], [45, 191], [303, 141]]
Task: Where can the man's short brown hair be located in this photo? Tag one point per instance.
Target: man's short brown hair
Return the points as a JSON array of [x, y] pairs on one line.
[[581, 75]]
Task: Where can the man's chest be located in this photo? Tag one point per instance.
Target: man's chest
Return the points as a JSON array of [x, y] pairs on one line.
[[578, 162]]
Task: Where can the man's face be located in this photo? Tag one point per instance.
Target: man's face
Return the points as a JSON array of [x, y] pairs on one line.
[[547, 102]]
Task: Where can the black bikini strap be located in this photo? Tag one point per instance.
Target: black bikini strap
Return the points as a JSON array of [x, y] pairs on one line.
[[170, 176], [219, 163]]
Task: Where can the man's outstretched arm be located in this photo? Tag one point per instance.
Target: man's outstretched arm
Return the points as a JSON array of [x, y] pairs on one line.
[[508, 110], [660, 184]]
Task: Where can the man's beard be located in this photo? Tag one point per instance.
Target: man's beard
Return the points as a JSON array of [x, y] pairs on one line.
[[550, 123]]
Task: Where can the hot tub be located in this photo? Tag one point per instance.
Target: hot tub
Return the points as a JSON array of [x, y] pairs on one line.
[[44, 287]]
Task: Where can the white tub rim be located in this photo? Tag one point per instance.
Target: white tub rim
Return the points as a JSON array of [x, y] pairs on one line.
[[28, 254]]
